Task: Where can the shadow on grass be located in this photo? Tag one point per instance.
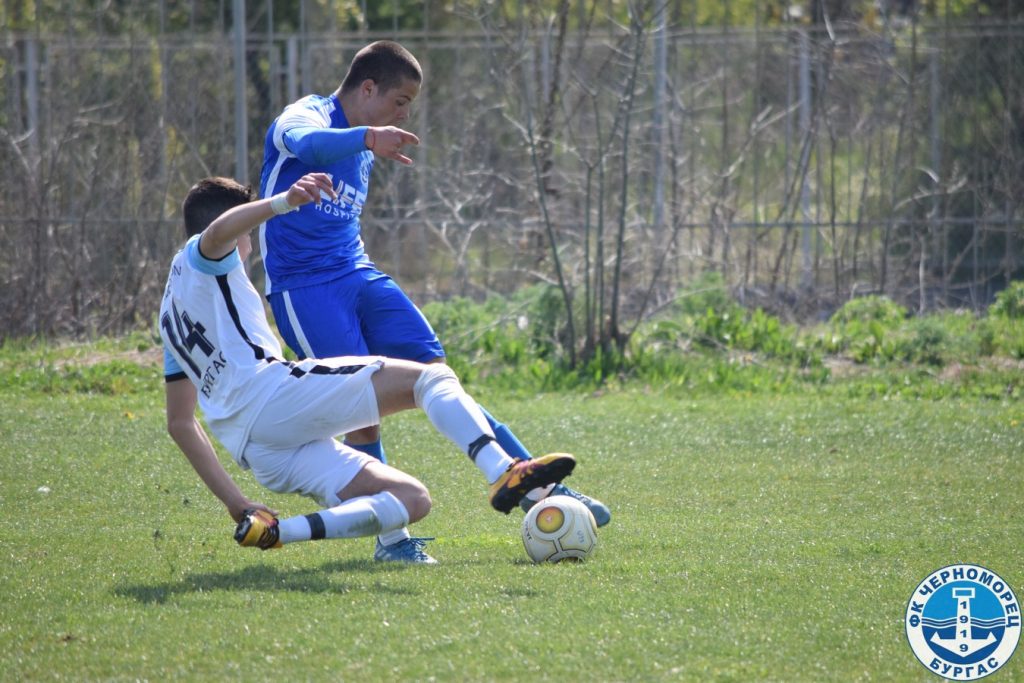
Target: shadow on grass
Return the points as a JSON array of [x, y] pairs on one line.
[[268, 578]]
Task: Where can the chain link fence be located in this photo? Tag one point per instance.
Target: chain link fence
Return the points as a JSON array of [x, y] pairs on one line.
[[806, 165]]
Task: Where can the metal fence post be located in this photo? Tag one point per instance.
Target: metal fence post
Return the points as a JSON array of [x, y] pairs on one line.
[[660, 61], [32, 99], [805, 190], [241, 110]]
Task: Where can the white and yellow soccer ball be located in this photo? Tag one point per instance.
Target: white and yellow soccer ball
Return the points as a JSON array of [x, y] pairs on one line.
[[559, 528]]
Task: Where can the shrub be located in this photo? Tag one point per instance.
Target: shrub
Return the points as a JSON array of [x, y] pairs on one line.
[[864, 327], [929, 342], [708, 291], [1001, 336], [1009, 303], [866, 309]]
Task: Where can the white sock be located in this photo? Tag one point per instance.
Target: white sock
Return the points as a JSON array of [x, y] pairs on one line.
[[393, 537], [362, 516], [453, 413], [492, 461], [294, 529]]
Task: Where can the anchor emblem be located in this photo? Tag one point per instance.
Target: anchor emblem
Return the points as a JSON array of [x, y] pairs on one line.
[[963, 643]]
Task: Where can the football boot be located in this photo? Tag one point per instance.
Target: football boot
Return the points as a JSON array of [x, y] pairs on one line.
[[526, 475], [409, 550], [258, 529]]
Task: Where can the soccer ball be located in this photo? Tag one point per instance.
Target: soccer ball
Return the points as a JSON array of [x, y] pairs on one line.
[[559, 528]]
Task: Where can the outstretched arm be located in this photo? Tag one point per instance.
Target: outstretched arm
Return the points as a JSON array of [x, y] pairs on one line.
[[220, 238], [320, 146], [191, 438]]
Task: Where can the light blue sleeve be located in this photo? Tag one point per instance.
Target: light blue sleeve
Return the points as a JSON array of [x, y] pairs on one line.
[[171, 366], [319, 146], [204, 265]]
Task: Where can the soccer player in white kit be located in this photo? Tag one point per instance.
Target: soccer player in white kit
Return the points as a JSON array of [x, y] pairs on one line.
[[280, 418]]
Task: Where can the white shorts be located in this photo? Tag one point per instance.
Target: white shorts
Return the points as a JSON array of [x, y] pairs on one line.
[[291, 447], [318, 469]]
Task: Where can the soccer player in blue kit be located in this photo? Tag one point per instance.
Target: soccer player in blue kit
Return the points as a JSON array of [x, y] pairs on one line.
[[327, 297]]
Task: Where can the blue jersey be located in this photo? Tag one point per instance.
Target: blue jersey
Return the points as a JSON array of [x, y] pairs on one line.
[[317, 243]]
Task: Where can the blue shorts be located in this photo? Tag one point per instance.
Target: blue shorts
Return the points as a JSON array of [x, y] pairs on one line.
[[361, 313]]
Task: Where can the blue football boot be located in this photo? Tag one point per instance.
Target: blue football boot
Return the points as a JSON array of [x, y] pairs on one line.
[[409, 550]]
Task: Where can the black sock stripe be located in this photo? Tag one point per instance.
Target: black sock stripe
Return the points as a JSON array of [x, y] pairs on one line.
[[316, 527], [476, 446]]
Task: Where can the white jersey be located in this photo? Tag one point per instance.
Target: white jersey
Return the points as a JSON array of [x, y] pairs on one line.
[[216, 334]]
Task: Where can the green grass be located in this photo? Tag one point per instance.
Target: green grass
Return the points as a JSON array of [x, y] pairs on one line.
[[758, 538]]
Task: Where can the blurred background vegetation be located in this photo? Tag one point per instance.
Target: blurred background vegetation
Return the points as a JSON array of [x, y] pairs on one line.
[[600, 166]]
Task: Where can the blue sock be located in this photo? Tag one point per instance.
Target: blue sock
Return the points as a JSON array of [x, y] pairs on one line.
[[375, 449], [506, 439]]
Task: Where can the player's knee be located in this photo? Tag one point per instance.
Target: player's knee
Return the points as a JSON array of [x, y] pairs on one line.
[[416, 499], [433, 376]]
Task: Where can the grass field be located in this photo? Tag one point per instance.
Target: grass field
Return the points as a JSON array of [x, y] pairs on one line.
[[753, 538]]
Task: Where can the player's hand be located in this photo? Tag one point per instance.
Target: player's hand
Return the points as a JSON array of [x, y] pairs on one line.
[[308, 189], [387, 142], [236, 511]]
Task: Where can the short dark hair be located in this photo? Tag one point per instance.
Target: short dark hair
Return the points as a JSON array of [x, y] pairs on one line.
[[209, 198], [386, 63]]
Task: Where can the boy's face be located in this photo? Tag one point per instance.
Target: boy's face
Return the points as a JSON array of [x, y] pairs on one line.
[[388, 107]]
